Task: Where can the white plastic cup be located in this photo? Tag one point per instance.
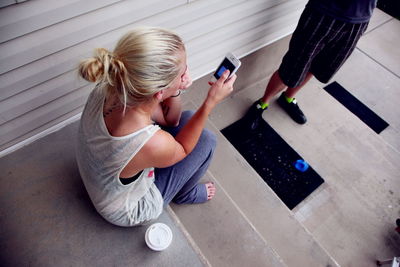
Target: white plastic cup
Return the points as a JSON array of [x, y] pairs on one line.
[[158, 236]]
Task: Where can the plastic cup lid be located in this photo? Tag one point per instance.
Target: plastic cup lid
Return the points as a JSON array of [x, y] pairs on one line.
[[158, 236]]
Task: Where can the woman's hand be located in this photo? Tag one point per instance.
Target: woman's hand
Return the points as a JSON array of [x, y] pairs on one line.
[[220, 89]]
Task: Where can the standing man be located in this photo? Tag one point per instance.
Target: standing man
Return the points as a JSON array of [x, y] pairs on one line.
[[325, 36]]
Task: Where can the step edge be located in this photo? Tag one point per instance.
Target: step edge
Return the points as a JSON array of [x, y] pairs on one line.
[[178, 223]]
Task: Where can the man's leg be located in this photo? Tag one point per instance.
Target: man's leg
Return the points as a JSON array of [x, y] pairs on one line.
[[291, 92], [293, 71], [289, 103], [275, 85], [254, 113]]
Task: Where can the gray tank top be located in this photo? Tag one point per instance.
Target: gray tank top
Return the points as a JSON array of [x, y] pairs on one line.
[[101, 158]]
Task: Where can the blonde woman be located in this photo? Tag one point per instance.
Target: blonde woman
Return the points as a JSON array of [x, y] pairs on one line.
[[136, 150]]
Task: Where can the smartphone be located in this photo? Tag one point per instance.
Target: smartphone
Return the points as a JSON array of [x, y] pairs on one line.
[[230, 63]]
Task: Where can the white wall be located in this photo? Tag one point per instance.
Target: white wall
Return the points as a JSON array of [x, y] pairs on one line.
[[42, 41]]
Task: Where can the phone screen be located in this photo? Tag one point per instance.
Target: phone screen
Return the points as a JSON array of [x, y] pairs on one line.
[[225, 65]]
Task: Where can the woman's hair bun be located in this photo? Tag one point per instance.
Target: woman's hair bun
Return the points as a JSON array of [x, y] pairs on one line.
[[95, 69]]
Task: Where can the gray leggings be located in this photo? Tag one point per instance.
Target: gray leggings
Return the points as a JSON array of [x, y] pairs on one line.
[[179, 183]]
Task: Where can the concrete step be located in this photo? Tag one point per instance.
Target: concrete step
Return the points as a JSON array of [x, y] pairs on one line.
[[222, 235], [246, 223], [350, 217]]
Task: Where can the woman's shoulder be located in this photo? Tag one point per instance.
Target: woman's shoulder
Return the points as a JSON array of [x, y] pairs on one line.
[[160, 149], [160, 140]]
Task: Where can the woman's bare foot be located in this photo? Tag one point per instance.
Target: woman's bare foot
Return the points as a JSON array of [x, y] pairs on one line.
[[210, 187]]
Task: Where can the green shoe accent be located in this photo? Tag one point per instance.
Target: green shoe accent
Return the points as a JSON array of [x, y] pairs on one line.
[[289, 99], [263, 105]]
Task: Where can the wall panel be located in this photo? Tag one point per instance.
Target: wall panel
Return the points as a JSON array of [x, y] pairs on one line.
[[42, 41]]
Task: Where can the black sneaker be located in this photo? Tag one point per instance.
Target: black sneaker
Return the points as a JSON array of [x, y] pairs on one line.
[[292, 109], [253, 116]]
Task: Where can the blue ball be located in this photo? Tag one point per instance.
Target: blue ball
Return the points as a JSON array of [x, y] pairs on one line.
[[301, 165]]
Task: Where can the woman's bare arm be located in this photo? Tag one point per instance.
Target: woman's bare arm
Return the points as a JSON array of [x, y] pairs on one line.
[[163, 150], [177, 149]]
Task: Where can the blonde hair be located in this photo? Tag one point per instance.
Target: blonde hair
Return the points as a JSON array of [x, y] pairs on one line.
[[144, 61]]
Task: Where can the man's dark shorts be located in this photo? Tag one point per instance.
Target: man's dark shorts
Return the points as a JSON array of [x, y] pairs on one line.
[[320, 45]]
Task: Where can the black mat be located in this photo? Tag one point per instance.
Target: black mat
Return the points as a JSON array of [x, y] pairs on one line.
[[391, 7], [273, 159], [365, 114]]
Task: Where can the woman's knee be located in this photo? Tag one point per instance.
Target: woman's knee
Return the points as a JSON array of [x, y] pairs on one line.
[[185, 117], [208, 139]]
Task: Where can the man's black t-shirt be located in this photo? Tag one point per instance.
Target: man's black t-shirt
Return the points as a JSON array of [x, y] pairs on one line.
[[353, 11]]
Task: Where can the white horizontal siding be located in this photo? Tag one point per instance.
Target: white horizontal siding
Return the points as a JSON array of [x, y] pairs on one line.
[[42, 41], [38, 44], [64, 60], [43, 114], [15, 22], [4, 3], [262, 25]]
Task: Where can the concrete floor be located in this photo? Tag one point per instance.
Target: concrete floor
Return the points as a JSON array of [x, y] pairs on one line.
[[47, 219]]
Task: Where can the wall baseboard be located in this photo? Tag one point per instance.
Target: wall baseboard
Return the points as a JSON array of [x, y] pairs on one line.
[[42, 134]]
